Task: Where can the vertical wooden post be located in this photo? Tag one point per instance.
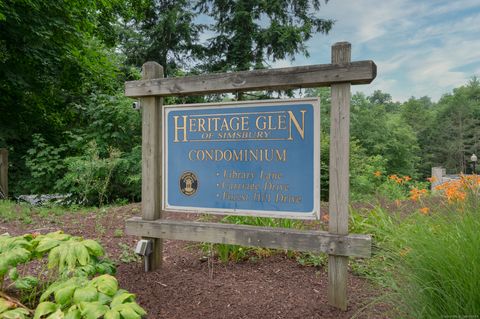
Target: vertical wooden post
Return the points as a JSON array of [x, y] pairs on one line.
[[152, 159], [3, 173], [339, 177]]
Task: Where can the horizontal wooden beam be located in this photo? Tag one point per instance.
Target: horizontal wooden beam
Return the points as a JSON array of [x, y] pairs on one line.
[[244, 235], [361, 72]]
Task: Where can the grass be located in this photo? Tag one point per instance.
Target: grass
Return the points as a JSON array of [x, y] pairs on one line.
[[24, 212], [428, 263], [438, 266]]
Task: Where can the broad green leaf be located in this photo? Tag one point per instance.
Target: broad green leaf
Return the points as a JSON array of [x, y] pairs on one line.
[[26, 283], [75, 282], [47, 244], [111, 314], [70, 257], [129, 313], [5, 304], [93, 310], [73, 314], [94, 247], [18, 313], [88, 270], [127, 307], [13, 274], [82, 254], [17, 256], [106, 284], [45, 308], [137, 308], [64, 295], [4, 266], [57, 315], [104, 299], [54, 258], [85, 294], [122, 298]]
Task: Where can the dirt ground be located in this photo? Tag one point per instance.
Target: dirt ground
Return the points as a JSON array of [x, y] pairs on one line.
[[189, 286]]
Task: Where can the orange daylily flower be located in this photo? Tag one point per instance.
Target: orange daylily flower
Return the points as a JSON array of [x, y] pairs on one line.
[[424, 210], [416, 194], [325, 217], [396, 179], [377, 174]]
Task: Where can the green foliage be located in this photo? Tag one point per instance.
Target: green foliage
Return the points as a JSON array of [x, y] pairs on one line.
[[88, 176], [9, 310], [458, 116], [45, 163], [312, 260], [72, 294], [263, 221], [243, 41], [79, 297], [383, 133], [162, 31], [48, 62], [227, 252], [363, 183], [236, 253], [127, 255]]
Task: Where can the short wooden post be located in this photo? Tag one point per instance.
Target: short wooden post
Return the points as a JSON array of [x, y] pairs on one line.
[[339, 177], [3, 173], [152, 159]]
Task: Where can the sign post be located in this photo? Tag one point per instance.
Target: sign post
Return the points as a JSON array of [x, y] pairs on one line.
[[259, 158], [3, 173], [152, 160], [249, 159], [339, 177]]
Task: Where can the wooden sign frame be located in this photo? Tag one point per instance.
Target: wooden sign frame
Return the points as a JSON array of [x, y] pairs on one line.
[[339, 75]]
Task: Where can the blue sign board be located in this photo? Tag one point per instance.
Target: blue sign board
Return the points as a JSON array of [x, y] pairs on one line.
[[258, 158]]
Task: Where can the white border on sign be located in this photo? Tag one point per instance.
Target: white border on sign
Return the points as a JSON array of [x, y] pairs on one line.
[[314, 214]]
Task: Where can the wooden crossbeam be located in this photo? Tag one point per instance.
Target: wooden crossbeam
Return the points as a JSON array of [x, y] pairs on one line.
[[253, 236], [360, 72]]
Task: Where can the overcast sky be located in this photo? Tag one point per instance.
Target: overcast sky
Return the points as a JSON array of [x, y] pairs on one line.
[[420, 47]]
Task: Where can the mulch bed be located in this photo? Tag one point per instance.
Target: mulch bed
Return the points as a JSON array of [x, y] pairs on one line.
[[189, 287]]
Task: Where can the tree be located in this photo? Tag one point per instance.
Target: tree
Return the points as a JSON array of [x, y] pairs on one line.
[[247, 34], [163, 31], [49, 62], [419, 114], [384, 133], [456, 128]]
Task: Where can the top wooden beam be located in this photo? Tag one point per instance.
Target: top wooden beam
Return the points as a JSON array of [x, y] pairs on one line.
[[360, 72]]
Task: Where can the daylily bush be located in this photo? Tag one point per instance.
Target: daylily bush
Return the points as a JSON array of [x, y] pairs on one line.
[[426, 252], [76, 281]]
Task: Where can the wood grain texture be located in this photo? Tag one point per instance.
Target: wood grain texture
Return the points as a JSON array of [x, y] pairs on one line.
[[361, 72], [339, 177], [152, 158], [3, 173], [253, 236]]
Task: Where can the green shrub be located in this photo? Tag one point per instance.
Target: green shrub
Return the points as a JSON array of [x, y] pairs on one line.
[[46, 166], [88, 176], [67, 292]]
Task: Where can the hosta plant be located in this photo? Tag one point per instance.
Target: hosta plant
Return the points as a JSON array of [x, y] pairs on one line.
[[79, 297], [9, 309], [71, 262]]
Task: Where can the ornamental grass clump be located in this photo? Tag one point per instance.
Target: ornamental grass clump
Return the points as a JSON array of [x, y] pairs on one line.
[[433, 255], [438, 267]]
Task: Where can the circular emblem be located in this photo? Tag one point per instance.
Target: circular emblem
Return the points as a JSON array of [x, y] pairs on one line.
[[188, 183]]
